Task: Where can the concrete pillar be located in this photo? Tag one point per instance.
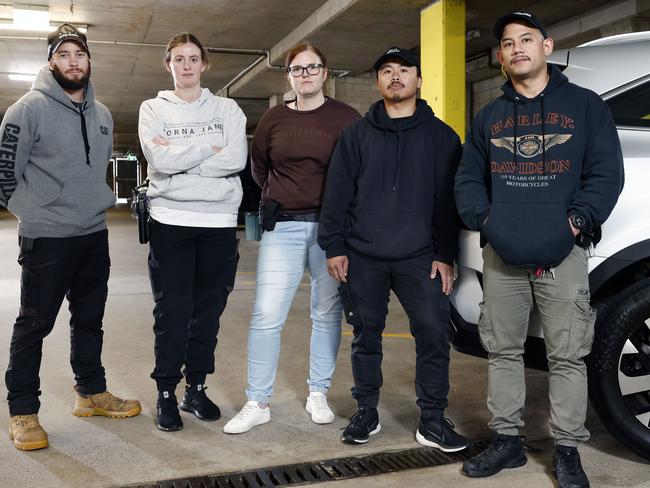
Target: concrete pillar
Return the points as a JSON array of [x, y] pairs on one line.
[[330, 87], [276, 99], [442, 42]]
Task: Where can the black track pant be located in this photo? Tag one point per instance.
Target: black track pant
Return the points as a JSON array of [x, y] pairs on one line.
[[74, 267], [427, 307], [192, 271]]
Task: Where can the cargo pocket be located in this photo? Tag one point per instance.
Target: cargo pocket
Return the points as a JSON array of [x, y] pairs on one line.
[[352, 317], [155, 279], [35, 294], [583, 319], [485, 328]]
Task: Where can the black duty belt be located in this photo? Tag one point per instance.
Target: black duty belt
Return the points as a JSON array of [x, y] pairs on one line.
[[308, 217]]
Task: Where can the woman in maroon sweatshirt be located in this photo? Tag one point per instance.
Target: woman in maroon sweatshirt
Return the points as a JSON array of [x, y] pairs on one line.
[[290, 156]]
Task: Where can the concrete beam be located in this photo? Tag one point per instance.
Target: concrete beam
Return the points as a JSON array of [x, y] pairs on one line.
[[326, 13], [595, 19], [605, 19]]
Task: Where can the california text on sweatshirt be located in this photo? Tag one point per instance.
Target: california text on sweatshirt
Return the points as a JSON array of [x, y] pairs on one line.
[[530, 163], [53, 160], [291, 152]]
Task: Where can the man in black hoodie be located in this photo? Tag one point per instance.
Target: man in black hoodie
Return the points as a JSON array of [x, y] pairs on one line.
[[541, 172], [389, 222]]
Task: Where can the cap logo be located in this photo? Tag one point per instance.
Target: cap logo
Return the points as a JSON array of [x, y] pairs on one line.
[[63, 35], [393, 50], [526, 14], [66, 30]]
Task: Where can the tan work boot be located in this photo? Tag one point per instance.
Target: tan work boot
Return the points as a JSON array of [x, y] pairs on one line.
[[106, 405], [27, 433]]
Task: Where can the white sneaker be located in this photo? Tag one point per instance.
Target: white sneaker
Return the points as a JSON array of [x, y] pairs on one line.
[[248, 417], [318, 408]]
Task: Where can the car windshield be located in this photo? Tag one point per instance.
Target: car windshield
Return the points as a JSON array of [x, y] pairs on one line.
[[632, 108]]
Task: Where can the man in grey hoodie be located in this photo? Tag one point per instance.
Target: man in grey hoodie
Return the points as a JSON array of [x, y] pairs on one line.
[[56, 143]]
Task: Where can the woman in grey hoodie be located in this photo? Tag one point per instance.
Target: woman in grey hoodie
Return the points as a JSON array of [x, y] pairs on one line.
[[195, 145]]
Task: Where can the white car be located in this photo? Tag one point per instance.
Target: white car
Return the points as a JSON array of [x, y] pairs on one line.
[[618, 69]]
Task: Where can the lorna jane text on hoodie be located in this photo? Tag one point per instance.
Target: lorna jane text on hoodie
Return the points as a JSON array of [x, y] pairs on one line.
[[185, 130]]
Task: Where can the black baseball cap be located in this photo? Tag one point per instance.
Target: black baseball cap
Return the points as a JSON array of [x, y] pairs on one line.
[[398, 53], [526, 17], [65, 33]]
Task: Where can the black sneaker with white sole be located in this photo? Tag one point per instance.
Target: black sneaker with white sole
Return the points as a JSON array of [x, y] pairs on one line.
[[168, 418], [362, 425], [197, 402], [440, 433]]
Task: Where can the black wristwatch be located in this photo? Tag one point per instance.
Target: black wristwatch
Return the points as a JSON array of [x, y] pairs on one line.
[[578, 221]]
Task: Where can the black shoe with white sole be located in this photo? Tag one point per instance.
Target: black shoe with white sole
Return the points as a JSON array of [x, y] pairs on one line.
[[440, 433], [197, 402], [362, 425], [168, 418]]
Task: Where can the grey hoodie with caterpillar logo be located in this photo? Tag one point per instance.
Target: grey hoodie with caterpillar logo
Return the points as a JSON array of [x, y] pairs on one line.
[[53, 160]]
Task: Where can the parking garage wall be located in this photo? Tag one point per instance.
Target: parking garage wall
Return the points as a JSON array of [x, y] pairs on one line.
[[484, 91], [357, 91]]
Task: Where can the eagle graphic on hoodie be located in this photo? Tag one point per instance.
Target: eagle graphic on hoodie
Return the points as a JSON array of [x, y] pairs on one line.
[[529, 163]]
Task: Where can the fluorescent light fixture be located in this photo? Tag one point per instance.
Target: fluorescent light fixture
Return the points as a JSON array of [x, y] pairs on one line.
[[49, 28], [14, 27], [32, 17], [21, 77]]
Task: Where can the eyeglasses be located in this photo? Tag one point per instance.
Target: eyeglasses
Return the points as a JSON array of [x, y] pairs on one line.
[[311, 69]]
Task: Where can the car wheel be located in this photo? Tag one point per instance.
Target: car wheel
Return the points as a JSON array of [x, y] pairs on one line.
[[619, 367]]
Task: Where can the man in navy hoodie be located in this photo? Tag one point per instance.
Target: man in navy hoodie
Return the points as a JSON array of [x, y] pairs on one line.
[[389, 222], [541, 172]]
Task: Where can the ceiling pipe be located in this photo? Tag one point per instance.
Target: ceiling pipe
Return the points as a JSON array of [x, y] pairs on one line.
[[225, 90], [264, 54], [214, 50]]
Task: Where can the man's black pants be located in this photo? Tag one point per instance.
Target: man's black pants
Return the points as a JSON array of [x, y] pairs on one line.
[[370, 281], [74, 267], [192, 271]]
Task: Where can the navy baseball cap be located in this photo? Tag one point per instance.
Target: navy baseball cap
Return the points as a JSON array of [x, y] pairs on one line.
[[402, 54], [527, 17], [65, 33]]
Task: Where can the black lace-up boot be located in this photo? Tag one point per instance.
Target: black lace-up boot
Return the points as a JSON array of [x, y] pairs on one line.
[[505, 451], [567, 468]]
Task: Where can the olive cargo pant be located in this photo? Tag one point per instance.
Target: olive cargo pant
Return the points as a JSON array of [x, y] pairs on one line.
[[562, 302]]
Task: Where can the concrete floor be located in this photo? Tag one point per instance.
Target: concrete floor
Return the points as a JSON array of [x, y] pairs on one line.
[[100, 452]]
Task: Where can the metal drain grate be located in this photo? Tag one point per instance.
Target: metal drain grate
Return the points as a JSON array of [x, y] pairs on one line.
[[321, 471]]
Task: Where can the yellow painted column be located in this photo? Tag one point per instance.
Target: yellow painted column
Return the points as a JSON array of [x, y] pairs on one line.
[[442, 48]]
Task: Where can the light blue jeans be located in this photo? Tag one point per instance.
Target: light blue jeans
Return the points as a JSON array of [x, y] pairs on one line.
[[284, 254]]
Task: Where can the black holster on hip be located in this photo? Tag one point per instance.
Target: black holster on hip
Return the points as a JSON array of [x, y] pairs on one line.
[[140, 210], [269, 211]]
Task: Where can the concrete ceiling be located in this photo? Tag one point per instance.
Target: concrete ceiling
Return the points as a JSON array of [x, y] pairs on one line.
[[127, 38]]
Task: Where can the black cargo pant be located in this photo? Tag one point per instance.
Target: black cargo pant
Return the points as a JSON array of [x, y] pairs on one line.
[[74, 267], [427, 307], [192, 271]]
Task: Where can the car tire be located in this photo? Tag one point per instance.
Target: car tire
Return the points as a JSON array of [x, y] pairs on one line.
[[619, 367]]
